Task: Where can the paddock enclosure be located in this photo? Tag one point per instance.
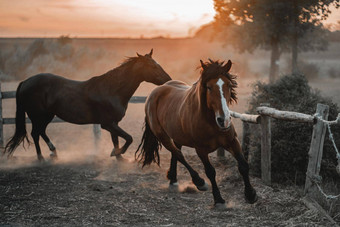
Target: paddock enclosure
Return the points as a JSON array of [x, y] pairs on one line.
[[87, 187]]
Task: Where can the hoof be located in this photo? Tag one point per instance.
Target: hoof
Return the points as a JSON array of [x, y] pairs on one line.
[[121, 159], [173, 187], [204, 187], [174, 184], [116, 152], [220, 206], [53, 156], [252, 197], [41, 159]]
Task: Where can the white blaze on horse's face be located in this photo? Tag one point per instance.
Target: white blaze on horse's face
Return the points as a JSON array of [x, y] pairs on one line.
[[218, 94], [223, 119]]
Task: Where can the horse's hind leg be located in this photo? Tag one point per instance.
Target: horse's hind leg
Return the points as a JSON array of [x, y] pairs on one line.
[[243, 167], [50, 145], [172, 173], [35, 135], [39, 124], [196, 179]]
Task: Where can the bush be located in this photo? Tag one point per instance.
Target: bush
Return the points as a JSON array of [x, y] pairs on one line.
[[291, 140]]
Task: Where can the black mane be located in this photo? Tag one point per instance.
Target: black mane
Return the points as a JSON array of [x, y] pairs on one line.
[[212, 70]]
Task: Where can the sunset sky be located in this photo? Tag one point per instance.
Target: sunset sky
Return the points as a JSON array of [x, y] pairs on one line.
[[107, 18]]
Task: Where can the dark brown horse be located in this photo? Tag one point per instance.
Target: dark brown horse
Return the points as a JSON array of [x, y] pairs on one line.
[[100, 100], [198, 116]]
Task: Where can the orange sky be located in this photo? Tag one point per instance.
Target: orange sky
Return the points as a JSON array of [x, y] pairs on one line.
[[106, 18]]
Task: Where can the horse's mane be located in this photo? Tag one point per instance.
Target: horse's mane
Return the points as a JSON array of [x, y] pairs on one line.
[[129, 60], [212, 70], [126, 62]]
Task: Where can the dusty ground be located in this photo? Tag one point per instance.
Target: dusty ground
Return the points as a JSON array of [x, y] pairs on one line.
[[105, 192]]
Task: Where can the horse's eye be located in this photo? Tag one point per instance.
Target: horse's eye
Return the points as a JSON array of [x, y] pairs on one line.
[[209, 88]]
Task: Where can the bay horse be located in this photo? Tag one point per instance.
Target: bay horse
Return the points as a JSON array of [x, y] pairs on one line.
[[100, 100], [196, 116]]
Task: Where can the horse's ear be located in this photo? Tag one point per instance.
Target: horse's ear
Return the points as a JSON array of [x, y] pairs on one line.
[[150, 54], [203, 65], [138, 55], [227, 66]]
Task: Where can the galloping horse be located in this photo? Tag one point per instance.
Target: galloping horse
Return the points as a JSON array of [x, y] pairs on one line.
[[198, 116], [100, 100]]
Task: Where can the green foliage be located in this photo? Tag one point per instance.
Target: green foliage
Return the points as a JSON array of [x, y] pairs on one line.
[[291, 140]]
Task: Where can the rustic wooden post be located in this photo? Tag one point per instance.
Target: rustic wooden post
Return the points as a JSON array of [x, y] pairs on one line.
[[1, 122], [97, 134], [265, 148], [220, 152], [316, 146]]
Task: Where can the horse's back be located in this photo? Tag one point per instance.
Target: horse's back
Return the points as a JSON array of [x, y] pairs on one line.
[[170, 91], [39, 92], [177, 84]]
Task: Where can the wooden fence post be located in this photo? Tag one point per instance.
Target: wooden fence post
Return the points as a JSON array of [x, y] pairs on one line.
[[1, 122], [266, 148], [97, 134], [316, 146]]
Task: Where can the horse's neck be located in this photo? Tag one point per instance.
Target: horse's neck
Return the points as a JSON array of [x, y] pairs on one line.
[[120, 81], [126, 83]]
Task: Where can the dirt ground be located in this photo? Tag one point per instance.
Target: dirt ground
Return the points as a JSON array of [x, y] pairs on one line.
[[101, 191]]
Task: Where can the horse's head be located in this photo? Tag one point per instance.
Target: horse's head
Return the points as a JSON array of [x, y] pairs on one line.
[[218, 87], [149, 70]]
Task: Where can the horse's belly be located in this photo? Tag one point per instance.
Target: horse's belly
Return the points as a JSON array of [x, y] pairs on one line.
[[75, 119]]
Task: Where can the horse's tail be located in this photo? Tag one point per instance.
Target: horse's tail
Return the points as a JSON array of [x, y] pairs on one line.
[[20, 127], [149, 147]]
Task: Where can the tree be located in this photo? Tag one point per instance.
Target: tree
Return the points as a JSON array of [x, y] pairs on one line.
[[275, 25], [306, 21]]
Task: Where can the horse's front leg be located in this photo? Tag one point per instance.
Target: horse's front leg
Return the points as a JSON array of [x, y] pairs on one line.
[[243, 167], [116, 131], [211, 174], [115, 142]]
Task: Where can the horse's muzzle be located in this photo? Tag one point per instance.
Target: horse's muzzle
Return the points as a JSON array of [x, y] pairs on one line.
[[223, 123]]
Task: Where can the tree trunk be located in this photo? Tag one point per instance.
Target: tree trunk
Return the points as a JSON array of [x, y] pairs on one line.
[[295, 69], [274, 61]]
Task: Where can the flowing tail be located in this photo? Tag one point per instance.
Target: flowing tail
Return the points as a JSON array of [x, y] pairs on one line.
[[149, 147], [20, 127]]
